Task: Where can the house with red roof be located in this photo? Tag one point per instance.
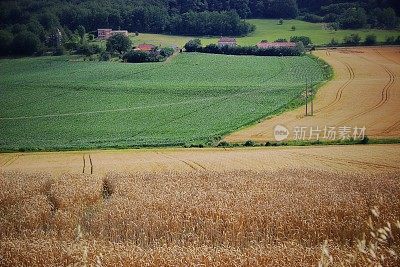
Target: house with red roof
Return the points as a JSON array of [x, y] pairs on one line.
[[266, 45], [227, 41], [145, 48]]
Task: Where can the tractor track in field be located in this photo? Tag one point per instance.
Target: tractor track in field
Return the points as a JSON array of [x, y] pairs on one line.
[[385, 95], [192, 164], [87, 164], [339, 92], [10, 161]]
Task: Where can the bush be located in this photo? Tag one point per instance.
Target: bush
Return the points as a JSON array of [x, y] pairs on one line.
[[59, 51], [105, 56], [352, 39], [293, 28], [312, 18], [25, 43], [304, 39], [167, 52], [88, 49], [249, 143], [193, 45], [140, 57], [253, 50], [370, 39], [333, 42], [281, 40], [223, 144]]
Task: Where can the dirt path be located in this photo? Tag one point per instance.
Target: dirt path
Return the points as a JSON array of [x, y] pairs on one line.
[[364, 92], [367, 158]]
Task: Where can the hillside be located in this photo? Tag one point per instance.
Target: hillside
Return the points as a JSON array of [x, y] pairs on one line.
[[59, 103]]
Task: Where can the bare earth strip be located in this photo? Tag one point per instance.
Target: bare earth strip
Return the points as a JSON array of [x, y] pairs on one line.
[[364, 92], [368, 158]]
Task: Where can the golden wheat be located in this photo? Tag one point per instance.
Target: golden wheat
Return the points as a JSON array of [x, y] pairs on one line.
[[197, 218]]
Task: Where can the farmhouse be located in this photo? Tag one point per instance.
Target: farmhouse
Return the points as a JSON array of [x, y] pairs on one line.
[[227, 41], [145, 48], [265, 45], [104, 34]]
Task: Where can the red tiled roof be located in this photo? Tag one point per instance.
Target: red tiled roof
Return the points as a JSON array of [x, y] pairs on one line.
[[276, 44], [145, 47]]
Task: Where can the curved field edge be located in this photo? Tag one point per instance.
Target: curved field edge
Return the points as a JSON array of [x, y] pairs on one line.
[[263, 75], [297, 102]]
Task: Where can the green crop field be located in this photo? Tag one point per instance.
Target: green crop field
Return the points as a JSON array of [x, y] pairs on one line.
[[61, 103], [270, 30]]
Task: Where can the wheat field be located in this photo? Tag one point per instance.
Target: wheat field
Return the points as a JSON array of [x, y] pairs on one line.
[[288, 217]]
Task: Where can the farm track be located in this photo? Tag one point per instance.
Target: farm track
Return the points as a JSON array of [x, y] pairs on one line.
[[87, 164], [192, 164], [364, 92], [384, 99], [339, 92]]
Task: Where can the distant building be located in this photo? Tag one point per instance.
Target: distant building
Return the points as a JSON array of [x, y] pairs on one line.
[[104, 34], [227, 41], [265, 45], [145, 47], [123, 32]]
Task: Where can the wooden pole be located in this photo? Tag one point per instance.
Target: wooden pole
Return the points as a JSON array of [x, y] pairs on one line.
[[306, 98]]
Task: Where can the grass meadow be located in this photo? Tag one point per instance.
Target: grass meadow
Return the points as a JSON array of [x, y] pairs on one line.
[[267, 29], [62, 103]]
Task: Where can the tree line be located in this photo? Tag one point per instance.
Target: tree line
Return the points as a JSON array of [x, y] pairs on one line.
[[34, 26]]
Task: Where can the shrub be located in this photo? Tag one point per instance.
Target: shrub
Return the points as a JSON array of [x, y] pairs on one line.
[[280, 22], [59, 51], [140, 57], [352, 39], [223, 144], [304, 39], [249, 143], [167, 52], [312, 18], [88, 49], [370, 39], [105, 56], [293, 28], [280, 40], [333, 42], [193, 45]]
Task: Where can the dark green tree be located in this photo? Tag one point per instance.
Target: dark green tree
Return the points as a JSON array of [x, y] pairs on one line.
[[25, 43], [118, 43], [6, 39]]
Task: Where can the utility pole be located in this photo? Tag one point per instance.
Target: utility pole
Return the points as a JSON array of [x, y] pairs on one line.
[[306, 98], [312, 101]]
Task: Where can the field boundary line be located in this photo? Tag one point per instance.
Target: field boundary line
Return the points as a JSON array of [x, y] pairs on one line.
[[359, 163]]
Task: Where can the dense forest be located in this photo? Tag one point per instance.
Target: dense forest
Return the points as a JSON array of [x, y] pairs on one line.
[[32, 23]]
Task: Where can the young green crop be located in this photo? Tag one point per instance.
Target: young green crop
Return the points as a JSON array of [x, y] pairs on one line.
[[59, 103]]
